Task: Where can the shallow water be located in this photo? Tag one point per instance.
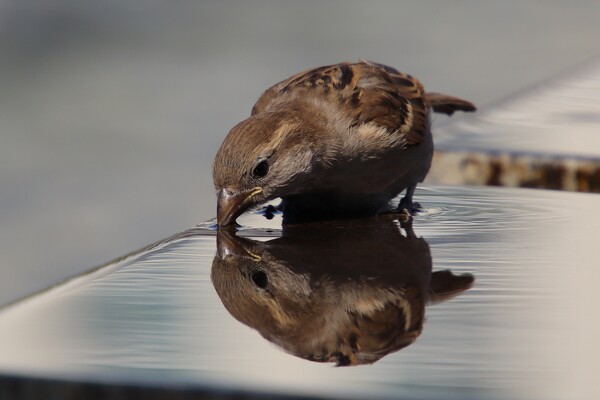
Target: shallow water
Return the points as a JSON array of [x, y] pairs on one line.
[[527, 326]]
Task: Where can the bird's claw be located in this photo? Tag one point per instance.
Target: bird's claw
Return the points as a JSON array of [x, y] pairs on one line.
[[409, 207], [405, 215]]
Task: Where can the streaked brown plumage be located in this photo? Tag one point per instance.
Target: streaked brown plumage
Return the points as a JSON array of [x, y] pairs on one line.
[[333, 141]]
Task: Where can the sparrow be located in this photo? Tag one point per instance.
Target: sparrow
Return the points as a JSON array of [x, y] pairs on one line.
[[332, 142]]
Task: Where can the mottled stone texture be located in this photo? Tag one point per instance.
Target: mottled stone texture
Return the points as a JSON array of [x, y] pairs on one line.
[[516, 170]]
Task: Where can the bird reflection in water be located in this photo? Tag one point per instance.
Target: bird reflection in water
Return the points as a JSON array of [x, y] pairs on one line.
[[348, 293]]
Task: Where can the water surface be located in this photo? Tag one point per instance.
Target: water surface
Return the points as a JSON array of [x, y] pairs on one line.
[[515, 317]]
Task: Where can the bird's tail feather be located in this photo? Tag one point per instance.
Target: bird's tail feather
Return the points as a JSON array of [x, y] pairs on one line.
[[443, 103]]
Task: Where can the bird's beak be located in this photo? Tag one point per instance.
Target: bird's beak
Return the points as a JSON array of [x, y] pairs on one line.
[[231, 205]]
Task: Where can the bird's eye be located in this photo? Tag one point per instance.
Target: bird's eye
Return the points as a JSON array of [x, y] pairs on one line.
[[261, 169], [260, 279]]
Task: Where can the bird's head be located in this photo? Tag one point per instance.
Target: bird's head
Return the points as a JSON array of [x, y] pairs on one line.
[[268, 155]]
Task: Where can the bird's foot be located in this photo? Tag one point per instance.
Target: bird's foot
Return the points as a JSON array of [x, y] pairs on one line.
[[270, 211], [408, 207], [405, 215]]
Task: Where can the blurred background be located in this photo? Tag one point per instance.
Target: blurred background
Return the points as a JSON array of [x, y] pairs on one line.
[[111, 111]]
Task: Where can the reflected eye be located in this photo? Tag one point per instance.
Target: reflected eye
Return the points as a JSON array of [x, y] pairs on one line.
[[261, 169]]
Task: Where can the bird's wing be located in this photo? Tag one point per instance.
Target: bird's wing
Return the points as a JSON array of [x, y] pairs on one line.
[[366, 92]]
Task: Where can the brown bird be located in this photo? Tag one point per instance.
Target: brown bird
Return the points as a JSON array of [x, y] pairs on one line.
[[335, 141]]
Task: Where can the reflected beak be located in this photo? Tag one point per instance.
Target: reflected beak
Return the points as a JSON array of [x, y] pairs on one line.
[[231, 205], [228, 244]]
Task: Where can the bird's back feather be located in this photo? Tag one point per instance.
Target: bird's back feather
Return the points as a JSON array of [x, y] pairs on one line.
[[365, 92]]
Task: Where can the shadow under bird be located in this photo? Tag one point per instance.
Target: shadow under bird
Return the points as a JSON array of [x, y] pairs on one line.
[[348, 294], [332, 142]]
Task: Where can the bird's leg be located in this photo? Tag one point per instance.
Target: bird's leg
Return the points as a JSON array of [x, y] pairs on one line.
[[406, 205]]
